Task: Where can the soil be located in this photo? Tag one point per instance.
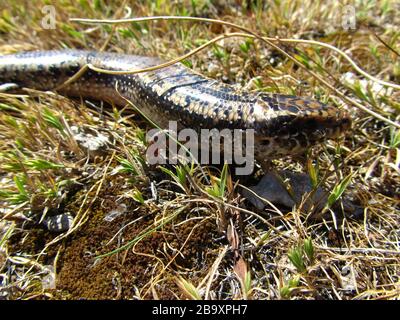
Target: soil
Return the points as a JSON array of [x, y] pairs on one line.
[[128, 273]]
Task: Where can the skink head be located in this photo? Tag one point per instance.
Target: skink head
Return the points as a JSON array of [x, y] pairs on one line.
[[291, 124]]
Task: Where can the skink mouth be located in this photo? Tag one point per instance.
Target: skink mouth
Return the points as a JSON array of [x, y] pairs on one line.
[[322, 128], [291, 135], [313, 127]]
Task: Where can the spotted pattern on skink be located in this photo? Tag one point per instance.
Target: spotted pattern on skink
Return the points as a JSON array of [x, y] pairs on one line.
[[283, 124]]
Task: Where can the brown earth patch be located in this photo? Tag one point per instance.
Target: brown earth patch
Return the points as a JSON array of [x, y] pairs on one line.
[[81, 275]]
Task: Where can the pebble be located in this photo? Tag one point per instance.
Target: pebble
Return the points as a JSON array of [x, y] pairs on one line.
[[58, 223]]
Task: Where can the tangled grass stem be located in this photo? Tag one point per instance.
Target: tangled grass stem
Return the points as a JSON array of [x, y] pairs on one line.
[[251, 34]]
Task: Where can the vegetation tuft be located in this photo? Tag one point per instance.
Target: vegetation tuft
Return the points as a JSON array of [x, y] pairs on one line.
[[186, 232]]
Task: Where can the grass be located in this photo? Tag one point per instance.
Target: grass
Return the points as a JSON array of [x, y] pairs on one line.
[[187, 232]]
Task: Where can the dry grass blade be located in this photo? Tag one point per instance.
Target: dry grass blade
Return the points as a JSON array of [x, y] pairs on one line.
[[188, 231]]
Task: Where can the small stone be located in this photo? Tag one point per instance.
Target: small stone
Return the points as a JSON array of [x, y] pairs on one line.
[[49, 280], [93, 144], [58, 223], [121, 209], [8, 87], [213, 69], [272, 188]]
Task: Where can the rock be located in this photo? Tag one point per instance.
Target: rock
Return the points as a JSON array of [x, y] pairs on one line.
[[58, 223], [273, 188], [115, 213], [49, 280], [93, 144]]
